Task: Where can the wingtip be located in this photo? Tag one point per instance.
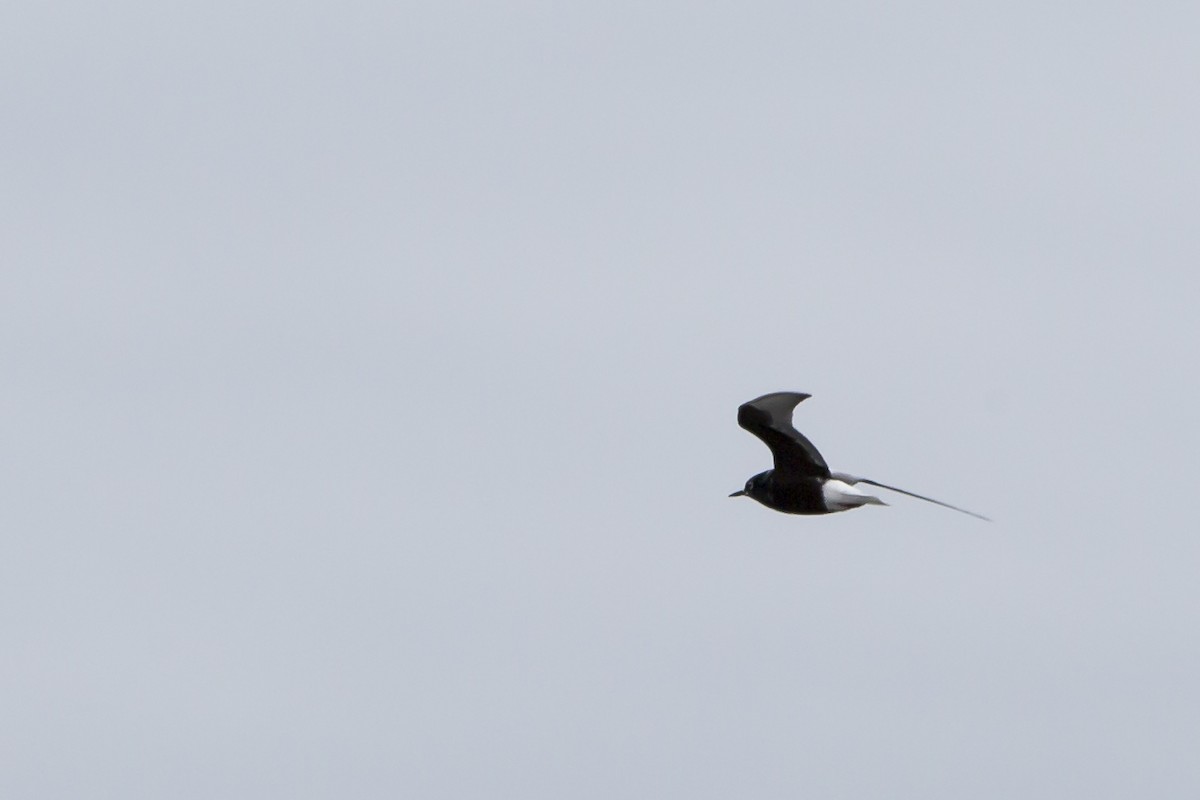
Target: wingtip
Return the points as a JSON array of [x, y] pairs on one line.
[[799, 397]]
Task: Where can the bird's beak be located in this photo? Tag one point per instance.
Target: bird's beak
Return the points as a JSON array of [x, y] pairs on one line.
[[739, 493]]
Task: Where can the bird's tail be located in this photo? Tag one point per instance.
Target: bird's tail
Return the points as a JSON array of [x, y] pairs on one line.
[[841, 496]]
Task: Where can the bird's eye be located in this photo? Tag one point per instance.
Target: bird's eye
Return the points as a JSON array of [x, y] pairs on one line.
[[749, 486]]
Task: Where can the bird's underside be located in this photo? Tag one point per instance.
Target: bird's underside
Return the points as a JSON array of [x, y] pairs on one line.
[[801, 482]]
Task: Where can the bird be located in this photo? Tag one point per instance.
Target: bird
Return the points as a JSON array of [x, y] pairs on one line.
[[801, 482]]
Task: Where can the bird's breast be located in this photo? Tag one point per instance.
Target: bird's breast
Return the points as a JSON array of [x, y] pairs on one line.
[[800, 495]]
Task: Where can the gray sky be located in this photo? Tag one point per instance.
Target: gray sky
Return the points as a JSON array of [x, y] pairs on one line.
[[370, 376]]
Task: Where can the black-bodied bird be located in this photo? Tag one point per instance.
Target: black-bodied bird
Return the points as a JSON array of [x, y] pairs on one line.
[[801, 482]]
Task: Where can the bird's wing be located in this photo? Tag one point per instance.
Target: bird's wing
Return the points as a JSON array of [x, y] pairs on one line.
[[853, 479], [770, 418]]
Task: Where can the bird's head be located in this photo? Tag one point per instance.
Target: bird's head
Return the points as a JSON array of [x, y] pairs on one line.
[[756, 487]]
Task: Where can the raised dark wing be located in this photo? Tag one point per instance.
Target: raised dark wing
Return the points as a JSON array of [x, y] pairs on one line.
[[770, 418], [853, 479]]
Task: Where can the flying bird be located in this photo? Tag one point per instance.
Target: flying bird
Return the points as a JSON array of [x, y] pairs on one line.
[[801, 482]]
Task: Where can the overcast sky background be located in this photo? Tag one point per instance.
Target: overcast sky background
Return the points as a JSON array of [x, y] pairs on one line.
[[369, 386]]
